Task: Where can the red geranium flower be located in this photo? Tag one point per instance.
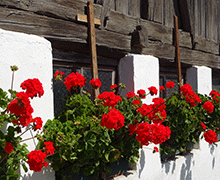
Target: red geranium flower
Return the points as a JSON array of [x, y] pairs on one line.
[[110, 98], [208, 106], [74, 80], [8, 147], [49, 147], [141, 93], [210, 136], [170, 84], [37, 123], [114, 119], [130, 95], [33, 87], [136, 102], [153, 90], [113, 86], [96, 83], [36, 160], [156, 149], [161, 88], [203, 125]]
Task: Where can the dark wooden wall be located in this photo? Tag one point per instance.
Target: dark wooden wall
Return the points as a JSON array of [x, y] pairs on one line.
[[200, 17], [56, 20]]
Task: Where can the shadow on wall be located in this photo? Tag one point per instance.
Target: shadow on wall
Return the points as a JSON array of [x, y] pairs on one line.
[[46, 174], [142, 163], [185, 170]]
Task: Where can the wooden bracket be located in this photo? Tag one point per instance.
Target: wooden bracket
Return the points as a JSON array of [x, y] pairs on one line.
[[139, 39], [83, 18]]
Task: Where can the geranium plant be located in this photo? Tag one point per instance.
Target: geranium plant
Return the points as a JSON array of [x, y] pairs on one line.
[[89, 136], [188, 115], [17, 112]]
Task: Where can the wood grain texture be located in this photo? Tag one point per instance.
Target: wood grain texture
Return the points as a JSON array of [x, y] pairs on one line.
[[134, 8], [168, 13], [121, 6]]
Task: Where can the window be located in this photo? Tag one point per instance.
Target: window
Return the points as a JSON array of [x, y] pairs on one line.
[[69, 62], [216, 79], [168, 72]]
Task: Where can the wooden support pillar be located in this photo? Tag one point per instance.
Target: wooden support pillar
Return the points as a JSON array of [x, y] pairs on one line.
[[177, 52], [92, 44]]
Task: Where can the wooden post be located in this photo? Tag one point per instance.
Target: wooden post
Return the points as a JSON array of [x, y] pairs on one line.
[[92, 43], [177, 52]]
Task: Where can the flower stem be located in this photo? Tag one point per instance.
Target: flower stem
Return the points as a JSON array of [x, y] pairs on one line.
[[26, 139], [12, 82]]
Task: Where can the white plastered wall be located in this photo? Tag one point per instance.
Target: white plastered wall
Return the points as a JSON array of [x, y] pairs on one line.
[[200, 164], [33, 56], [200, 78]]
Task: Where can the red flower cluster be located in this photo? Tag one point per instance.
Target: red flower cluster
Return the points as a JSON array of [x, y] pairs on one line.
[[73, 80], [170, 84], [152, 133], [37, 123], [156, 116], [130, 95], [114, 119], [49, 147], [96, 83], [8, 147], [36, 160], [190, 96], [156, 149], [203, 126], [208, 106], [58, 72], [33, 87], [141, 93], [136, 102], [213, 94], [210, 136], [21, 107], [153, 90], [113, 86], [161, 88], [110, 98]]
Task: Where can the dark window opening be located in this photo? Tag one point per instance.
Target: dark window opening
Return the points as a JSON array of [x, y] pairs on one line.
[[69, 62]]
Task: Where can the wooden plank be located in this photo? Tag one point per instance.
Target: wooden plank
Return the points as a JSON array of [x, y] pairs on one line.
[[214, 22], [168, 13], [105, 12], [150, 7], [185, 39], [158, 11], [92, 45], [208, 19], [62, 9], [121, 6], [196, 18], [158, 32], [206, 45], [134, 8], [121, 23], [83, 18], [30, 23], [203, 20]]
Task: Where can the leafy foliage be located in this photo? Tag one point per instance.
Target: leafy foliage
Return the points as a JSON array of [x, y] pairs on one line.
[[83, 143]]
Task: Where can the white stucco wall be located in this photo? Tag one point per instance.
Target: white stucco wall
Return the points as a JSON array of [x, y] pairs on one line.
[[200, 78], [33, 56], [139, 72]]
